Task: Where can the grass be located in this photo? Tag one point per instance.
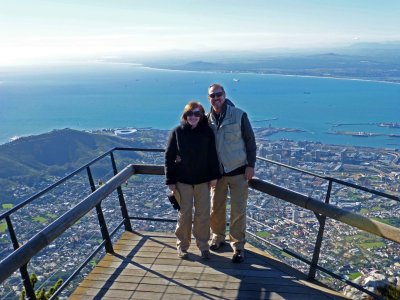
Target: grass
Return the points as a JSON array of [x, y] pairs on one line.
[[375, 208], [148, 204], [146, 140], [134, 178], [365, 241], [7, 206], [390, 221], [51, 216], [354, 275], [372, 245], [3, 227], [284, 254], [263, 234], [357, 237], [93, 263], [39, 219]]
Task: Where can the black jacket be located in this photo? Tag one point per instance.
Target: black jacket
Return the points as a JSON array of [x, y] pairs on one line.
[[198, 156]]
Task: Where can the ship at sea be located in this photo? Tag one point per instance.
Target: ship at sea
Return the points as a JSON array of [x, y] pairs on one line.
[[390, 125], [361, 134]]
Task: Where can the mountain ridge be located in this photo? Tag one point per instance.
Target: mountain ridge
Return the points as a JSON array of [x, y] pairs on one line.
[[55, 154]]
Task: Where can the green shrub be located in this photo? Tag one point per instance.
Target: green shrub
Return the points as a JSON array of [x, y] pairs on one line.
[[41, 294]]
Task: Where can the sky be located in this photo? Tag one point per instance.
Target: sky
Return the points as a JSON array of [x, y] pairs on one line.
[[36, 30]]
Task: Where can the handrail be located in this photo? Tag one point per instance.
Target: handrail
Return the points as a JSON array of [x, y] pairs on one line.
[[44, 191], [366, 224], [21, 256], [342, 182], [355, 220]]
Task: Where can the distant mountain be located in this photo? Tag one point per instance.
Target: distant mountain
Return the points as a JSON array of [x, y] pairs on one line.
[[201, 64], [369, 61], [385, 45], [388, 52], [56, 153]]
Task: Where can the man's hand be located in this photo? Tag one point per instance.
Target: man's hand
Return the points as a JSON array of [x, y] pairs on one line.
[[172, 188], [212, 183], [249, 173]]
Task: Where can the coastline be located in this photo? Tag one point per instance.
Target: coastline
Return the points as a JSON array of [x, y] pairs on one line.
[[143, 66], [312, 134], [269, 74], [266, 132]]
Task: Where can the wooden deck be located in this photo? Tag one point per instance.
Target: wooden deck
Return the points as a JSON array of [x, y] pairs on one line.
[[145, 266]]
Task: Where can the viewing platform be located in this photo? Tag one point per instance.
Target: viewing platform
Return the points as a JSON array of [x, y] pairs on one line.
[[134, 253], [145, 265]]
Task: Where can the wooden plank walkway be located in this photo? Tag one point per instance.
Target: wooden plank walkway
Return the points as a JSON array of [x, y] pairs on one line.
[[145, 266]]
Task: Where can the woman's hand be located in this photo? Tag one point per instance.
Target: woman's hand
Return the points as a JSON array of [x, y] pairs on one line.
[[212, 183], [172, 188]]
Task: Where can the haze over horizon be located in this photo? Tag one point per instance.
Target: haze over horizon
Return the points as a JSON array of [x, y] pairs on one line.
[[44, 30]]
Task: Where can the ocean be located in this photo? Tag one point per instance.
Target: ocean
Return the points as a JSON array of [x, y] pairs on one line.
[[97, 95]]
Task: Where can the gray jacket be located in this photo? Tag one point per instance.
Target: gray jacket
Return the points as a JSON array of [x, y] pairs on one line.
[[236, 146]]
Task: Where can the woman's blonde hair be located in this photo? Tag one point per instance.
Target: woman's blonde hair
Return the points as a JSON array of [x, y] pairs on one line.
[[191, 106]]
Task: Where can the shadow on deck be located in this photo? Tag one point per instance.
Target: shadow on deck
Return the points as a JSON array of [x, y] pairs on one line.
[[145, 266]]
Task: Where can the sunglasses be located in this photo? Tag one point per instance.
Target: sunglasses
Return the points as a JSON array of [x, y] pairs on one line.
[[215, 95], [193, 113]]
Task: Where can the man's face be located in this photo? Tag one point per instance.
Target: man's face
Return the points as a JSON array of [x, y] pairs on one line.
[[216, 96]]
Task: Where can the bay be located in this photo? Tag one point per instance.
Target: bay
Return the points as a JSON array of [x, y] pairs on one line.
[[97, 95]]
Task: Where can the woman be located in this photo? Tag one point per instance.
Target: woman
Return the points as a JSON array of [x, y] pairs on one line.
[[192, 168]]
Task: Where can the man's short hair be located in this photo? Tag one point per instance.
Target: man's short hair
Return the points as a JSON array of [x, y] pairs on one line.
[[217, 85]]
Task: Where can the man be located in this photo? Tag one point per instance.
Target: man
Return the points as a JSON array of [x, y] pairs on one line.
[[236, 148]]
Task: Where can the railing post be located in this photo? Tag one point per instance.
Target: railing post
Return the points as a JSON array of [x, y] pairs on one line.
[[29, 290], [317, 248], [122, 204], [103, 225]]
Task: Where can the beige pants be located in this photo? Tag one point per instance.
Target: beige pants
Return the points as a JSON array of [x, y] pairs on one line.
[[238, 189], [201, 225]]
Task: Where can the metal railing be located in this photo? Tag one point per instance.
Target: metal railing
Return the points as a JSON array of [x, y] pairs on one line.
[[322, 210], [21, 255], [44, 237]]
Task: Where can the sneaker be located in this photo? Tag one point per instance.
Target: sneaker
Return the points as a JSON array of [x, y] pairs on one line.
[[183, 254], [205, 254], [215, 245], [238, 256]]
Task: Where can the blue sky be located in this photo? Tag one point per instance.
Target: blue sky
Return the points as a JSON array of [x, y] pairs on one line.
[[46, 29]]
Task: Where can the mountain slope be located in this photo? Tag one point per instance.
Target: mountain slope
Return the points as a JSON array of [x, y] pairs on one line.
[[37, 159]]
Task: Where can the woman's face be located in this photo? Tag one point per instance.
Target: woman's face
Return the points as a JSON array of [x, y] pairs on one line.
[[193, 117]]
